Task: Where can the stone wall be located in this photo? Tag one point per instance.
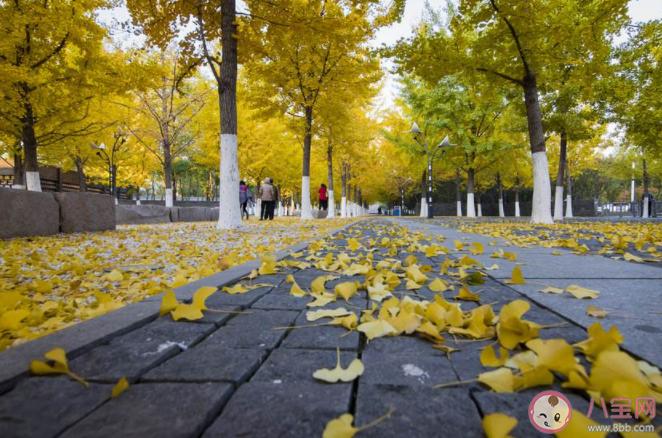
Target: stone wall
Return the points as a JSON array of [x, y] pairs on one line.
[[157, 214], [24, 213]]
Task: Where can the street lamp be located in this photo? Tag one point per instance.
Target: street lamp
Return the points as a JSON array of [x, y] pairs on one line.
[[417, 134], [109, 156]]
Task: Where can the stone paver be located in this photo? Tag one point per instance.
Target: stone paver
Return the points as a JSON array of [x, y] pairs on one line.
[[245, 372]]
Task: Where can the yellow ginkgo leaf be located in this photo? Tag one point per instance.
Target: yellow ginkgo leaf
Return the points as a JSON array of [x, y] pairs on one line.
[[179, 280], [633, 258], [537, 376], [321, 300], [376, 329], [438, 285], [581, 292], [296, 290], [556, 355], [459, 245], [488, 357], [414, 273], [236, 289], [58, 365], [510, 256], [551, 290], [200, 296], [494, 267], [353, 244], [268, 265], [12, 319], [600, 340], [350, 322], [326, 313], [289, 279], [412, 285], [114, 275], [499, 380], [596, 312], [346, 289], [340, 427], [511, 328], [168, 303], [466, 295], [357, 269], [516, 277], [318, 285], [340, 374], [121, 386], [186, 311], [477, 248], [498, 425]]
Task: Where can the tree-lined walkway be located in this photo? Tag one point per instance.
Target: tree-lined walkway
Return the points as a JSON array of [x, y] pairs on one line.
[[245, 369]]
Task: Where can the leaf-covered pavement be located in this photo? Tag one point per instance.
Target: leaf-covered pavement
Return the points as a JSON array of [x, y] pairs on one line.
[[639, 242], [426, 340], [48, 283]]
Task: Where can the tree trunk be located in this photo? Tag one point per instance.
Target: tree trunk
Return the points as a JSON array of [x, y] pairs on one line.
[[568, 208], [480, 206], [343, 187], [458, 194], [517, 210], [331, 210], [558, 194], [306, 207], [19, 173], [82, 185], [167, 171], [229, 215], [31, 166], [645, 181], [471, 208], [424, 201], [502, 212], [541, 205]]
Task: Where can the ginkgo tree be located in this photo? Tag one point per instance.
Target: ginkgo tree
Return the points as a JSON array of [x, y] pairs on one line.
[[302, 53], [520, 42]]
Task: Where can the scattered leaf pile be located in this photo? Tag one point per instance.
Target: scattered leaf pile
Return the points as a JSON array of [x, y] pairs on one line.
[[48, 283]]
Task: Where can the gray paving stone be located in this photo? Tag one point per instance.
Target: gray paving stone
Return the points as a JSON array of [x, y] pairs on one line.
[[222, 299], [281, 300], [45, 406], [261, 409], [208, 361], [219, 315], [156, 410], [633, 305], [131, 355], [418, 411], [412, 345], [290, 366], [256, 329], [406, 369], [323, 337]]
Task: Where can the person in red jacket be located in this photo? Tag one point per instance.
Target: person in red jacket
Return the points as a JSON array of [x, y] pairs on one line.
[[323, 197]]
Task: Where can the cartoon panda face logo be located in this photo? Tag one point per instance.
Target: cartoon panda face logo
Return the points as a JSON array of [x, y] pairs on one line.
[[550, 411]]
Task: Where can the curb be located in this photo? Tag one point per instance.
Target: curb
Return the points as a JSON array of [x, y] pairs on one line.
[[85, 335]]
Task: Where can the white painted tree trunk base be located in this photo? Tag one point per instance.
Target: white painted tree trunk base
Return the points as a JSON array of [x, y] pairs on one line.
[[568, 207], [471, 209], [117, 202], [424, 207], [168, 198], [32, 181], [459, 208], [480, 210], [542, 190], [502, 213], [229, 214], [331, 210], [18, 186], [558, 203], [138, 202], [644, 210], [343, 206], [306, 207], [517, 210]]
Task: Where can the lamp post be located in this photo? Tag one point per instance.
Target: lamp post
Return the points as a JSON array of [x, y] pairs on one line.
[[109, 156], [417, 134]]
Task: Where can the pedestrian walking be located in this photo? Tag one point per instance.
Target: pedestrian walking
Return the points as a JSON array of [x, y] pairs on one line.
[[266, 194], [274, 202], [323, 197], [245, 196]]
